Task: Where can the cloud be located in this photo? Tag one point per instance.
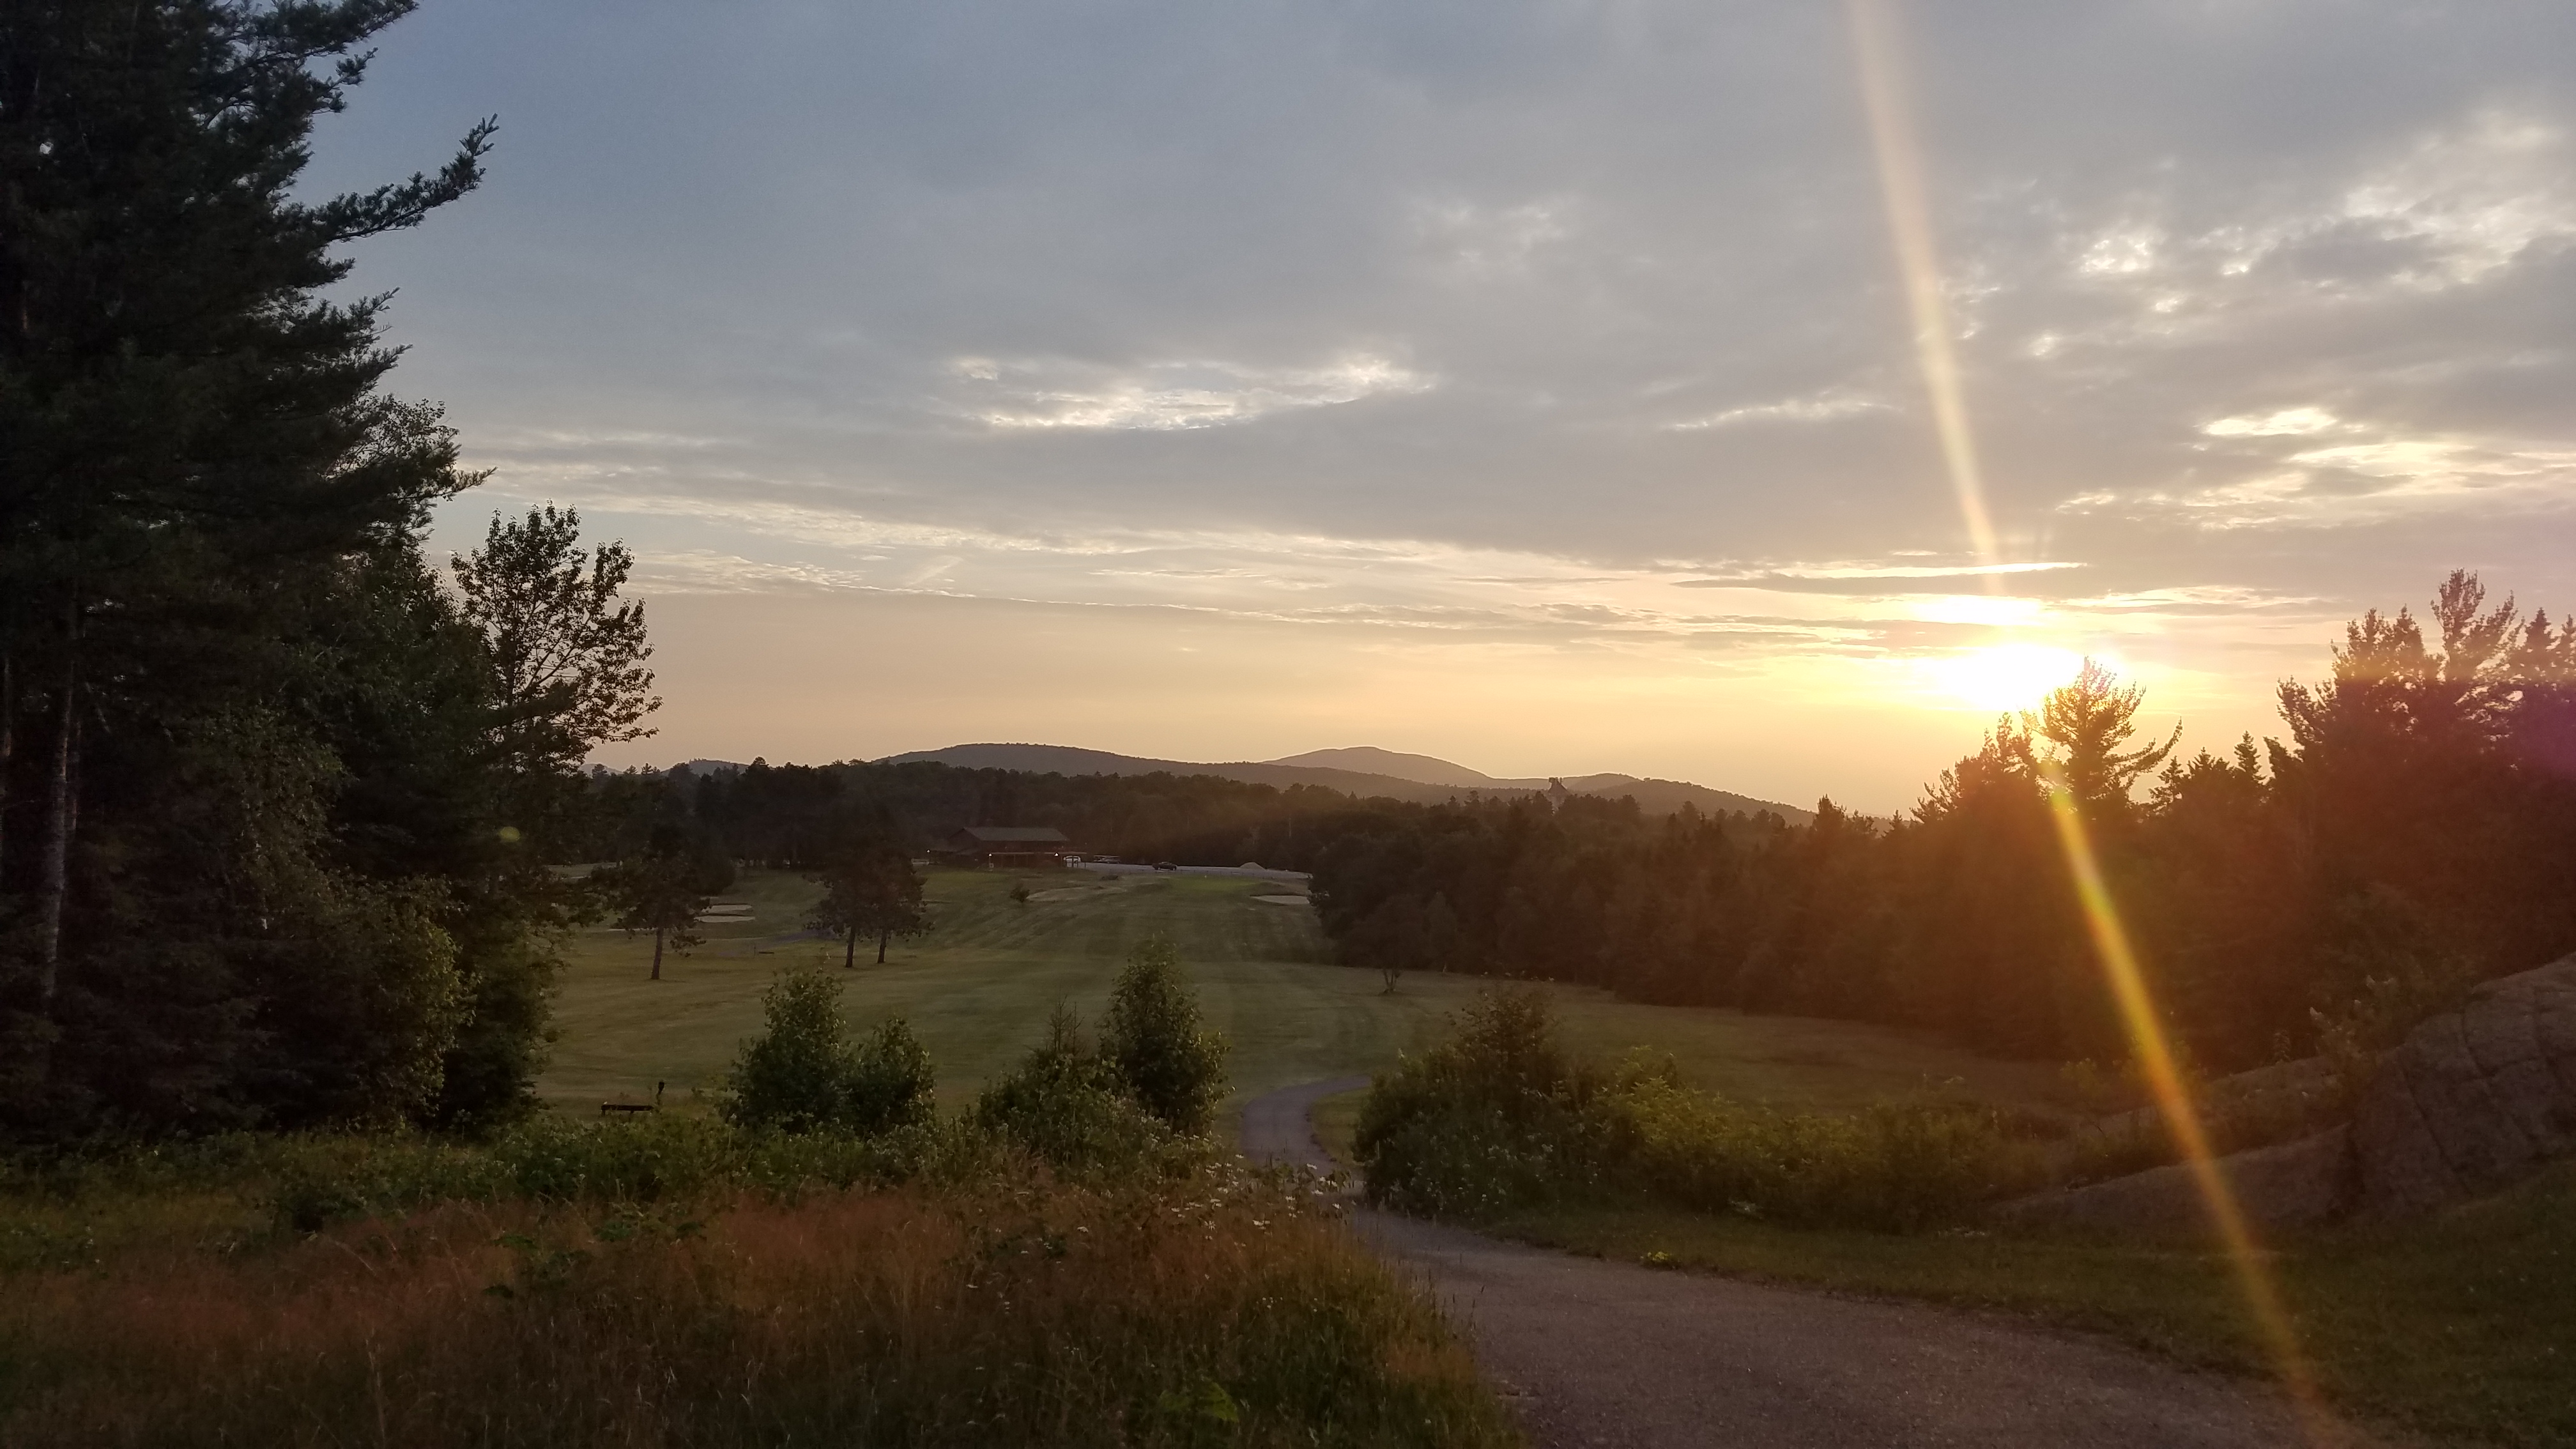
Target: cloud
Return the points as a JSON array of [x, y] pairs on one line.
[[2317, 470], [1483, 243], [2463, 203], [1821, 408], [1873, 581], [1507, 317], [2286, 423], [1171, 395]]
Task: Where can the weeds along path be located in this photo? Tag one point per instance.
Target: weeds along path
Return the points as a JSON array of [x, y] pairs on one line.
[[1602, 1353]]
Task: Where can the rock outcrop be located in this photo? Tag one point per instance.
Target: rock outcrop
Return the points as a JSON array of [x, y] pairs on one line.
[[2472, 1101]]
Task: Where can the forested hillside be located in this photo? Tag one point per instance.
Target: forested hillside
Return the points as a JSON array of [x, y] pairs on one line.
[[793, 816]]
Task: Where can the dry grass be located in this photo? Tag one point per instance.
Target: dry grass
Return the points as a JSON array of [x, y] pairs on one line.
[[1216, 1309]]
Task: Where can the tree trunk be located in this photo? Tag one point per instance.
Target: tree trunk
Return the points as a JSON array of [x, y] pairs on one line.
[[8, 748], [53, 879], [850, 948], [657, 953], [882, 938]]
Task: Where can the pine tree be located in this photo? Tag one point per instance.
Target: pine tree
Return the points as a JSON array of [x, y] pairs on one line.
[[249, 871]]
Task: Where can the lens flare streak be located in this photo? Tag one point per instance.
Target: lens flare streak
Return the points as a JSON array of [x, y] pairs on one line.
[[2182, 1118], [1900, 175], [1901, 178]]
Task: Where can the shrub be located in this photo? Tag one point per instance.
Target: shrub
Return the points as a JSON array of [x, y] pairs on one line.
[[799, 1075], [890, 1082], [1068, 1105], [1499, 1117], [1153, 1038]]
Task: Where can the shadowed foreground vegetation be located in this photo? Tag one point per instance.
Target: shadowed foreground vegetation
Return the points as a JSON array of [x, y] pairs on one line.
[[825, 1260], [680, 1282]]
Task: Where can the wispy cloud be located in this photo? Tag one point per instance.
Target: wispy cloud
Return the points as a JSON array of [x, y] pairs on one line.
[[1165, 396], [1822, 407], [2306, 467]]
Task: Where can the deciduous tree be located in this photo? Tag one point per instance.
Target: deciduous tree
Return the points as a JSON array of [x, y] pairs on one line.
[[870, 890], [665, 890]]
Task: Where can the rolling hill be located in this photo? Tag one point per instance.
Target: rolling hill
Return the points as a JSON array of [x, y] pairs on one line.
[[1362, 771]]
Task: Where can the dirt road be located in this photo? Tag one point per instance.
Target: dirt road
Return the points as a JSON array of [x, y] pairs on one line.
[[1612, 1354]]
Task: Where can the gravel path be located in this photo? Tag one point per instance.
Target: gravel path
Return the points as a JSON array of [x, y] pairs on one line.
[[1612, 1354]]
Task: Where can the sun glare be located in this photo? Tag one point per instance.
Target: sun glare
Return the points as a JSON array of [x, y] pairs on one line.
[[2004, 676]]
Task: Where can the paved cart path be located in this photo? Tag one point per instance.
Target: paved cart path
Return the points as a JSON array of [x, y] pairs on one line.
[[1613, 1354]]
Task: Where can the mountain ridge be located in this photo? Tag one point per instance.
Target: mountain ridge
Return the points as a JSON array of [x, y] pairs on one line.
[[1661, 797]]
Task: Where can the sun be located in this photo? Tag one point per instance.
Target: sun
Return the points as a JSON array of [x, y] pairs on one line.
[[2004, 676]]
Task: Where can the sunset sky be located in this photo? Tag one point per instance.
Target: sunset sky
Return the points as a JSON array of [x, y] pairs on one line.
[[1525, 382]]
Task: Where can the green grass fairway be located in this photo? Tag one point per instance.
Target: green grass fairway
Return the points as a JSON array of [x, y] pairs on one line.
[[979, 988]]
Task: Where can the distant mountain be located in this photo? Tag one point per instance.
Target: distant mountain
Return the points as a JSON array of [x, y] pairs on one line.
[[1363, 771], [1370, 760]]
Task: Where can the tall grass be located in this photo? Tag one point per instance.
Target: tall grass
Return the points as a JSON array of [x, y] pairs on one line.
[[300, 1183], [1007, 1308], [1500, 1117]]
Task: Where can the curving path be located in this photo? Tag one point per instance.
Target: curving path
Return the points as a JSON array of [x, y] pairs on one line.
[[1598, 1353]]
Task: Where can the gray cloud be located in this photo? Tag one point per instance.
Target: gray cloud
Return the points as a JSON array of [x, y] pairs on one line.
[[1602, 285]]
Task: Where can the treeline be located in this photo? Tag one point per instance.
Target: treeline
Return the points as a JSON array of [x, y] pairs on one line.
[[795, 817], [2413, 831], [267, 780]]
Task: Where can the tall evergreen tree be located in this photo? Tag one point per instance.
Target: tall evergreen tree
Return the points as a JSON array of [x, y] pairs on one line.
[[251, 869]]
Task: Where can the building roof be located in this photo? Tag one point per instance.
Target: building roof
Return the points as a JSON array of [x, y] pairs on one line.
[[1015, 835]]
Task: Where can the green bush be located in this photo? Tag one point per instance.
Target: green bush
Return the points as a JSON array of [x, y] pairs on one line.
[[890, 1082], [800, 1075], [1499, 1117], [1152, 1037], [1067, 1104]]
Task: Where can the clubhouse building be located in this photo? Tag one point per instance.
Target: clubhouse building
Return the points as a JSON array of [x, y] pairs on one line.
[[1006, 846]]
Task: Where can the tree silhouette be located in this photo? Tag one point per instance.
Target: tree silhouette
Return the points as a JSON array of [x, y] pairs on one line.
[[2075, 739], [870, 889], [664, 891]]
